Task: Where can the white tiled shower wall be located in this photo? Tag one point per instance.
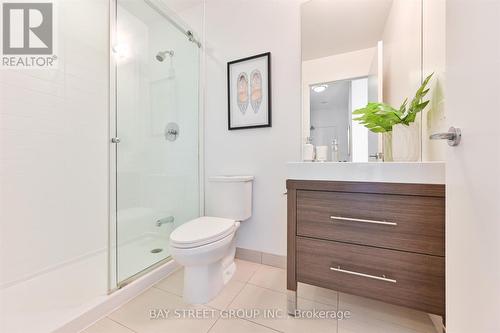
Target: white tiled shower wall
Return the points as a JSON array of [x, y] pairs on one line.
[[54, 174], [53, 149]]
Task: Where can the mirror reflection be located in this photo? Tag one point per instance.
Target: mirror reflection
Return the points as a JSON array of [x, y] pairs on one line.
[[355, 52], [332, 124]]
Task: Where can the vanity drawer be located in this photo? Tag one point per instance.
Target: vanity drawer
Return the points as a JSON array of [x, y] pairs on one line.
[[402, 222], [408, 279]]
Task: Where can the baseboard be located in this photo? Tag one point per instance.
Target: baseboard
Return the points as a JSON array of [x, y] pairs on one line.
[[113, 301], [261, 257]]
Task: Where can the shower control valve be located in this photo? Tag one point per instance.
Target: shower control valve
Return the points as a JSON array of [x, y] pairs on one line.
[[171, 131]]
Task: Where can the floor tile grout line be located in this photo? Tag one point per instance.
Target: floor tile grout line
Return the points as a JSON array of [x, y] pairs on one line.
[[255, 322], [267, 288], [212, 326], [388, 321], [122, 324], [284, 292], [168, 291], [173, 294], [238, 294], [227, 306], [262, 325], [247, 320], [253, 273], [300, 297]]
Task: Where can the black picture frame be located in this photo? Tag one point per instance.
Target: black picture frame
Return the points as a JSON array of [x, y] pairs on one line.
[[269, 90]]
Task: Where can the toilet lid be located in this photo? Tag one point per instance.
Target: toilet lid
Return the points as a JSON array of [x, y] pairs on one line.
[[201, 231]]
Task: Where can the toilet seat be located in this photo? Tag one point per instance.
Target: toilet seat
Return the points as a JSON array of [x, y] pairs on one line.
[[201, 231]]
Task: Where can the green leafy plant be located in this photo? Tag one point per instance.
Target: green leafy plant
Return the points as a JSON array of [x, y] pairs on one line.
[[381, 117]]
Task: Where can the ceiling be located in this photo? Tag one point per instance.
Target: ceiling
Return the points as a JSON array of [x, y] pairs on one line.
[[335, 96], [337, 26]]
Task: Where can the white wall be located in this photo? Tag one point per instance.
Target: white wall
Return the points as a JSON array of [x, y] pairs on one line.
[[402, 51], [54, 151], [328, 69], [413, 49], [434, 59], [237, 29]]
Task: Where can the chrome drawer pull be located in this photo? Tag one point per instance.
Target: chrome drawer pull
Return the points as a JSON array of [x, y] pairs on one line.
[[362, 220], [381, 278]]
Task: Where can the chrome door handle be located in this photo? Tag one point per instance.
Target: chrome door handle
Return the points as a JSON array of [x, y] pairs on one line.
[[362, 220], [454, 135], [380, 278]]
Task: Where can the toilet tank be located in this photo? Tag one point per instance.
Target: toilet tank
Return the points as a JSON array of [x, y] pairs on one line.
[[229, 197]]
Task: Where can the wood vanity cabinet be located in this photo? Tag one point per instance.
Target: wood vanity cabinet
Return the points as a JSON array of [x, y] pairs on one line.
[[383, 241]]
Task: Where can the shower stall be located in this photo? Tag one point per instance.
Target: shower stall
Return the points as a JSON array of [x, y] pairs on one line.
[[99, 161], [155, 174]]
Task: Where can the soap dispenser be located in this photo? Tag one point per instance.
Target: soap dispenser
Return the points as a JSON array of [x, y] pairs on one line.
[[308, 150], [335, 150]]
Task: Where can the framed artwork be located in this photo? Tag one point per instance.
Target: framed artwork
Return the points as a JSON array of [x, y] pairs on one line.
[[249, 92]]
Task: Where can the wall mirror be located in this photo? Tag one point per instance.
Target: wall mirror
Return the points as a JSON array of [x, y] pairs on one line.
[[360, 51]]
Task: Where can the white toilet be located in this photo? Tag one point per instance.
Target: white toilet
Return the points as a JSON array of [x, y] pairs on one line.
[[206, 246]]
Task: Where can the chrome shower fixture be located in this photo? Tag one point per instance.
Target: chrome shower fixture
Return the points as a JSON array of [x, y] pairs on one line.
[[162, 55]]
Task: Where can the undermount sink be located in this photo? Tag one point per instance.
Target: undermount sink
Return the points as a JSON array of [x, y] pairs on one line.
[[388, 172]]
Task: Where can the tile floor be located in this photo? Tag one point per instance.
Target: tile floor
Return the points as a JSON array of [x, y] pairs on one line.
[[256, 286]]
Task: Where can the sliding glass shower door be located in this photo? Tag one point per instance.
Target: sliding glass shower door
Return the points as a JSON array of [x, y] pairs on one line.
[[157, 185]]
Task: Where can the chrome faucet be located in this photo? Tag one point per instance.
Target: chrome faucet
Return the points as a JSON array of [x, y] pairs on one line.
[[377, 156], [168, 219]]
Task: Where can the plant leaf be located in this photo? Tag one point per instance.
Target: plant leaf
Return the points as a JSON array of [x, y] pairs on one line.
[[381, 117]]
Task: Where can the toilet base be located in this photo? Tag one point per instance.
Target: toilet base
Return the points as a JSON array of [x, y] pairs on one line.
[[202, 283]]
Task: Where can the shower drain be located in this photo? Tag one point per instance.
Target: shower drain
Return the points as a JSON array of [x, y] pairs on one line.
[[156, 250]]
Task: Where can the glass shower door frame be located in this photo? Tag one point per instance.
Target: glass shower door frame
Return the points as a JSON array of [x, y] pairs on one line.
[[112, 151], [113, 280]]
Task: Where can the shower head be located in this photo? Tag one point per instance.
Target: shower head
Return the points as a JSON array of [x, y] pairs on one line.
[[162, 55]]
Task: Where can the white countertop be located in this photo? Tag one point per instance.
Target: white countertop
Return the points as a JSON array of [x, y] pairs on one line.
[[387, 172]]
